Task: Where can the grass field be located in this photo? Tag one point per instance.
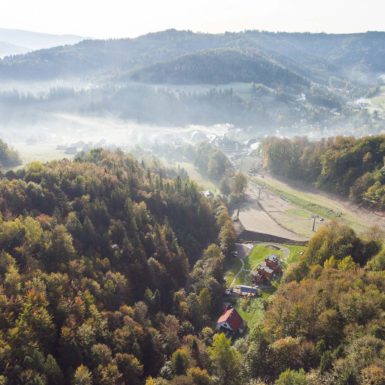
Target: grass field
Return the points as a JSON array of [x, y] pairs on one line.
[[39, 152], [304, 204], [295, 253], [252, 310], [232, 266], [258, 254]]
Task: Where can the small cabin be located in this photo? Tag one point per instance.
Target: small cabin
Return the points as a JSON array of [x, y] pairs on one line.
[[231, 321], [246, 291]]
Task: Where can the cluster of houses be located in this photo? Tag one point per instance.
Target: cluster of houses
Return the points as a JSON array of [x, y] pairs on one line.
[[230, 321], [267, 270]]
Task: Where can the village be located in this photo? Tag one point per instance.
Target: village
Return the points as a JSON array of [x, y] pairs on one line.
[[261, 277]]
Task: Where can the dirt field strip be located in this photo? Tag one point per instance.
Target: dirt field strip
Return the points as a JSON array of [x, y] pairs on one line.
[[254, 218], [293, 207]]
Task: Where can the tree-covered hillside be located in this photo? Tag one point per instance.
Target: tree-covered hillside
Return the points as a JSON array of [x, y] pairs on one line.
[[325, 324], [98, 284], [219, 67], [358, 57], [348, 166]]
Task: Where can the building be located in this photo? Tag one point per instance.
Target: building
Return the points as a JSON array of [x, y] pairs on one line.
[[267, 270], [273, 263], [246, 291], [231, 321]]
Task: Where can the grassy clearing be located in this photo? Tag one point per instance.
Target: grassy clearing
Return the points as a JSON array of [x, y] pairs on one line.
[[251, 310], [258, 254], [298, 212], [232, 266], [304, 206], [295, 253], [39, 152]]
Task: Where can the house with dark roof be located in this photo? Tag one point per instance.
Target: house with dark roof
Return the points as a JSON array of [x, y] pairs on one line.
[[247, 291], [265, 270], [231, 321]]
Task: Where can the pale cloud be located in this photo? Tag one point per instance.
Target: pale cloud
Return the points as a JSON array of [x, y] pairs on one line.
[[122, 18]]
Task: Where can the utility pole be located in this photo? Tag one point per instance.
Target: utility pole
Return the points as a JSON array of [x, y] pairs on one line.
[[314, 219]]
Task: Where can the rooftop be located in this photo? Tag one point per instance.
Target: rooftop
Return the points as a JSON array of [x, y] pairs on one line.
[[232, 317]]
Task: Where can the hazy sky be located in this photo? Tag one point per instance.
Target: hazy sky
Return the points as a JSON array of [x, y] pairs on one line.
[[123, 18]]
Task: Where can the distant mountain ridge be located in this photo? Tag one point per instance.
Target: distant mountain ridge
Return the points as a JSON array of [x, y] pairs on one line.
[[288, 82], [319, 57], [11, 49], [14, 41]]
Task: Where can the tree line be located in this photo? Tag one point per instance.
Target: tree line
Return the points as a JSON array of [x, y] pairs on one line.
[[348, 166]]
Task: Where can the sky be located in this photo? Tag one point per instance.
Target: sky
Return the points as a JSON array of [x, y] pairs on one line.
[[129, 18]]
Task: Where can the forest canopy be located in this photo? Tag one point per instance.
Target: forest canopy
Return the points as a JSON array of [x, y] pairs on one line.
[[111, 272], [325, 323]]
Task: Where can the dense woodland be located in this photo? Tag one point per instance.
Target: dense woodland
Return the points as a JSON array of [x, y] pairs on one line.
[[315, 56], [351, 167], [99, 280], [325, 324]]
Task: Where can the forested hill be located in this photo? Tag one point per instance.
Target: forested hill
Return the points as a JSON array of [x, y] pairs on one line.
[[98, 282], [316, 56], [347, 166], [325, 324], [219, 67], [258, 80]]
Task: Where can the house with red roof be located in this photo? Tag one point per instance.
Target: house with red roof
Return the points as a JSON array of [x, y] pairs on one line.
[[230, 320]]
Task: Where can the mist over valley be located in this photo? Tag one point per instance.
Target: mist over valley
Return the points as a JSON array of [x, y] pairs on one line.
[[257, 82]]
